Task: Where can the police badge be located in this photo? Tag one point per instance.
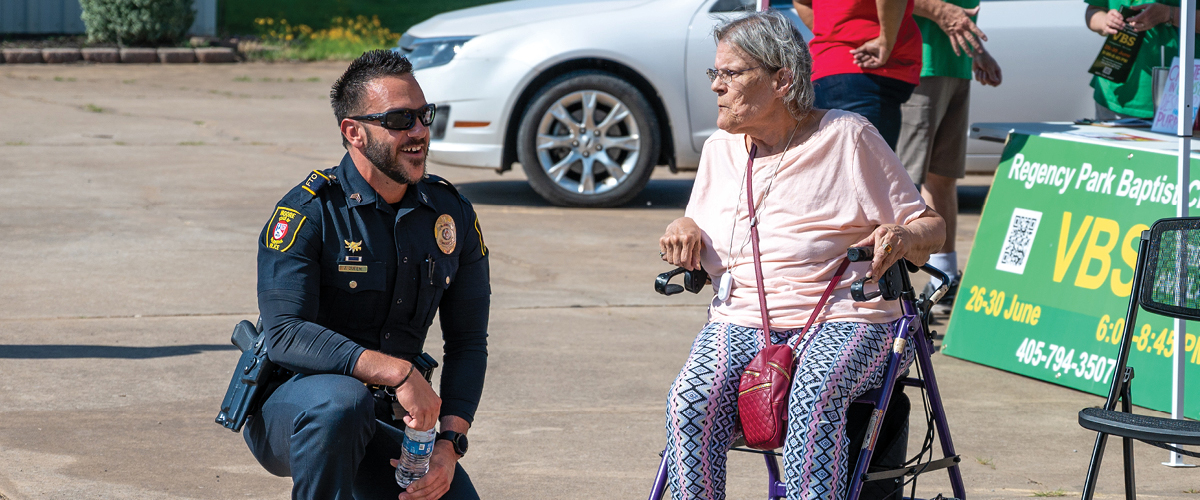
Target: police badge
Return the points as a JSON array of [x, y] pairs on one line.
[[444, 233]]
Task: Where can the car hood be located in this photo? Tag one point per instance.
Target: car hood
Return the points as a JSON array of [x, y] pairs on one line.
[[492, 17]]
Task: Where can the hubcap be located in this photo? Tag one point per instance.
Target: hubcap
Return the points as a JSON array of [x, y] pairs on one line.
[[587, 142]]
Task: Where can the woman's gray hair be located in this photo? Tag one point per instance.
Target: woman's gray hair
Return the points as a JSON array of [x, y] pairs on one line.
[[773, 41]]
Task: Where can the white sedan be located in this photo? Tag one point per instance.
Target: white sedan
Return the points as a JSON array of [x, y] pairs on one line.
[[590, 95]]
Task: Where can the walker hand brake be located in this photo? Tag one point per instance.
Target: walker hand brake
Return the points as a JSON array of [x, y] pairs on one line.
[[891, 284], [693, 281]]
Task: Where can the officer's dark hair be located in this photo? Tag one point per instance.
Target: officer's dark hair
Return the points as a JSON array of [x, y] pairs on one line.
[[348, 91]]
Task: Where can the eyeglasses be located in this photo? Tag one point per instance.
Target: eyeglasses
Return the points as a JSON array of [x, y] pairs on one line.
[[725, 75], [402, 119]]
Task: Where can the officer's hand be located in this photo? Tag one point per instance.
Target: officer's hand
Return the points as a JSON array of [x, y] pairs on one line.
[[436, 482], [421, 403]]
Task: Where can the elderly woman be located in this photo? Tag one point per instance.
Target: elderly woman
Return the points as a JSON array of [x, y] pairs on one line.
[[823, 180]]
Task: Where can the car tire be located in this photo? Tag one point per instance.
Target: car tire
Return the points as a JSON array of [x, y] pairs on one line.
[[588, 139]]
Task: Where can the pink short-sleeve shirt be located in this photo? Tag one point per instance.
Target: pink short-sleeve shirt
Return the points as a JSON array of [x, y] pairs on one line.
[[814, 201]]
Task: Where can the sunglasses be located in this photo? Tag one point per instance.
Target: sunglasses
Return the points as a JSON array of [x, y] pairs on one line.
[[402, 119]]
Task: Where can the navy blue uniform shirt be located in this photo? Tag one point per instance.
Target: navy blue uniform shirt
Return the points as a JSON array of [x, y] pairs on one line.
[[340, 271]]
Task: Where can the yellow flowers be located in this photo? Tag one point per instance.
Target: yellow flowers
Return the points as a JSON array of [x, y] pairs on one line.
[[342, 31]]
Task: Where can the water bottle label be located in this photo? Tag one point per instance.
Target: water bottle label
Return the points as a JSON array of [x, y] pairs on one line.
[[418, 448]]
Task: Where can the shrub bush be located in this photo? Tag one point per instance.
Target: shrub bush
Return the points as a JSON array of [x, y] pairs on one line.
[[137, 22]]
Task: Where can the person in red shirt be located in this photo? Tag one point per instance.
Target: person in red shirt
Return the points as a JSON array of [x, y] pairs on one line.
[[866, 57]]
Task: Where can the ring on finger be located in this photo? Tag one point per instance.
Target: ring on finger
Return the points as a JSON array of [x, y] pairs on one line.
[[662, 254], [887, 248]]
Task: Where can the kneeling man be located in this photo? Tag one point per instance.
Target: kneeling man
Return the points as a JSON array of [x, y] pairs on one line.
[[352, 267]]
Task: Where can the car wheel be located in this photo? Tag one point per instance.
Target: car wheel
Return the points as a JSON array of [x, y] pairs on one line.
[[589, 139]]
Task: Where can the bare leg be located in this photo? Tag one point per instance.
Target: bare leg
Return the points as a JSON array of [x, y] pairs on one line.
[[941, 194]]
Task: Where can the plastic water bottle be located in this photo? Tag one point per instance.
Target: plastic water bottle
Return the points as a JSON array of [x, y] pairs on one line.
[[414, 458]]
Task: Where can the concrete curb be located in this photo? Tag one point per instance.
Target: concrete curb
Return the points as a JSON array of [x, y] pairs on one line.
[[131, 55], [209, 55], [176, 55], [139, 56], [22, 56], [101, 55], [61, 56]]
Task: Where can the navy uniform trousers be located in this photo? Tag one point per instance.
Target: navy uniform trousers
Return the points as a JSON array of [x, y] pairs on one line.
[[331, 434]]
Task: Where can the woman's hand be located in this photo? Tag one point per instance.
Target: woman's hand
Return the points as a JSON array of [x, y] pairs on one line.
[[914, 241], [891, 242], [681, 244]]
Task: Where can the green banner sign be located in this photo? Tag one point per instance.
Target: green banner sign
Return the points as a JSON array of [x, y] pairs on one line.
[[1047, 285]]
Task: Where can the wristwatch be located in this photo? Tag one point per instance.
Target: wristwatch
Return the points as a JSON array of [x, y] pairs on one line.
[[457, 439]]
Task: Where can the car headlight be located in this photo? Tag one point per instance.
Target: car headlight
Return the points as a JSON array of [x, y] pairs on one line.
[[430, 52]]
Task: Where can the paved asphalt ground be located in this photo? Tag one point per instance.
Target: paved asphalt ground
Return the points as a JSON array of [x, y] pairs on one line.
[[130, 200]]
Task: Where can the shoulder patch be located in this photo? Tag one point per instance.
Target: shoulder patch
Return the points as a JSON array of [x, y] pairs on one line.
[[315, 182], [284, 225], [482, 246]]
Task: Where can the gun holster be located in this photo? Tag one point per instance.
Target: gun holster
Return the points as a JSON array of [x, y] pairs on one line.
[[254, 373]]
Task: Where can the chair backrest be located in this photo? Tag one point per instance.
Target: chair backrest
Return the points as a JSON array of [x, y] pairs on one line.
[[1171, 280]]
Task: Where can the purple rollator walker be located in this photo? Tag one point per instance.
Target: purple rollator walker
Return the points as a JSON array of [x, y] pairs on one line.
[[913, 326]]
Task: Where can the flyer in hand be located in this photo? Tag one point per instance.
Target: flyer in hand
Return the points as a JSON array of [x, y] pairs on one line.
[[1119, 51]]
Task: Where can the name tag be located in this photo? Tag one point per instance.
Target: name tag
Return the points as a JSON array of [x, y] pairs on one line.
[[351, 269]]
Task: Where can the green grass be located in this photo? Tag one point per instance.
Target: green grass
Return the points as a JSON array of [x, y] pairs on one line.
[[1191, 491], [16, 143], [1053, 493], [242, 78], [317, 50], [94, 108], [192, 143], [986, 461], [237, 18]]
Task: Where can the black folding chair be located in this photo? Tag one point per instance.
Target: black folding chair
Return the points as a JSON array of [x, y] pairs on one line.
[[1166, 281]]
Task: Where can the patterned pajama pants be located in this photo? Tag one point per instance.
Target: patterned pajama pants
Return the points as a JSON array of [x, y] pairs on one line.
[[843, 361]]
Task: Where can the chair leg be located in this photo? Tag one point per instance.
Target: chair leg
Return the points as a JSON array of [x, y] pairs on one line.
[[1127, 450], [1089, 484]]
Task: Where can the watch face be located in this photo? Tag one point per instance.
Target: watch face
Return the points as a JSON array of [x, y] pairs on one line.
[[460, 444], [459, 441]]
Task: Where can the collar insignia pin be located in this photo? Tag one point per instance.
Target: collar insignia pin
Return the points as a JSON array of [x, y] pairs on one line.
[[353, 246], [356, 197]]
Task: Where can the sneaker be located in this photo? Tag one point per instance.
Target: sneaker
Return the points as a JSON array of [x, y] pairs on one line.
[[946, 305]]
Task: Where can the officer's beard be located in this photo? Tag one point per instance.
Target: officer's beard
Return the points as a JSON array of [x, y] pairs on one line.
[[381, 156]]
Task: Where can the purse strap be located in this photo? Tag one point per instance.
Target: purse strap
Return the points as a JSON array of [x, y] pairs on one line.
[[758, 274]]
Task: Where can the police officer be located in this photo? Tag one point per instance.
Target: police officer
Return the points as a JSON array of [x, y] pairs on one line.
[[352, 266]]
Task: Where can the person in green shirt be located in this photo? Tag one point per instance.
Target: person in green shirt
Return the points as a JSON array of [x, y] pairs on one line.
[[933, 130], [1160, 43]]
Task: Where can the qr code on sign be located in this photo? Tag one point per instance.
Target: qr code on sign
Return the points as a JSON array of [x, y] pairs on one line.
[[1022, 229]]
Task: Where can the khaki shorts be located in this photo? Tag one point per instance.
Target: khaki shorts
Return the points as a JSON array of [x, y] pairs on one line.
[[933, 129]]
